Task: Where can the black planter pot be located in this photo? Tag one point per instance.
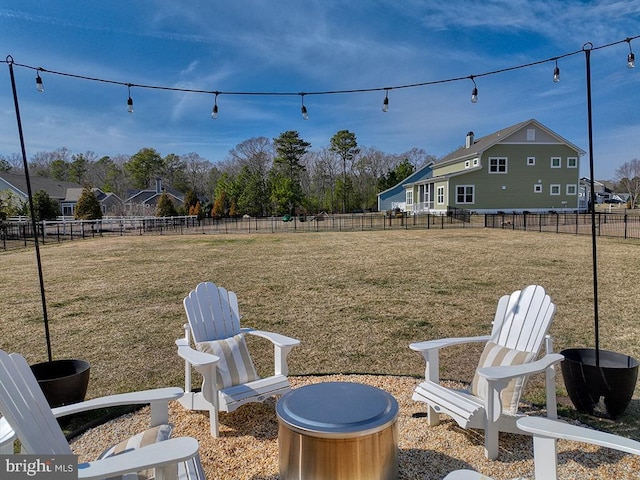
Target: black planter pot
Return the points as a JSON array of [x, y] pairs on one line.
[[614, 379], [62, 381]]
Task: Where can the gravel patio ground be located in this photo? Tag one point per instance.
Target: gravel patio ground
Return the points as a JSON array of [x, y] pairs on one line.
[[248, 443]]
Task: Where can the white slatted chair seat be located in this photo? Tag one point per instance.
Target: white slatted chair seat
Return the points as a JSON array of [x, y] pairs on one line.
[[213, 316], [259, 390], [545, 433], [520, 328], [463, 407], [26, 411]]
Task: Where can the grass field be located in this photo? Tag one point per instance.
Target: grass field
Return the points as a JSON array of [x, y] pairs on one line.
[[355, 300]]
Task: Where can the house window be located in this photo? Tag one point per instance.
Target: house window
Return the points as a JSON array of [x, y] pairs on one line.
[[497, 165], [572, 162], [556, 162], [554, 189], [409, 197], [537, 188], [440, 194], [476, 162], [531, 161], [464, 194], [531, 134], [467, 164], [572, 189]]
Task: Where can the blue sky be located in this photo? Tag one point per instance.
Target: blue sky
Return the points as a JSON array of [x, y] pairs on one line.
[[315, 46]]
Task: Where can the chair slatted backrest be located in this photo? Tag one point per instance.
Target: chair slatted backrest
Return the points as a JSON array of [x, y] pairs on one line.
[[26, 409], [212, 312], [523, 319]]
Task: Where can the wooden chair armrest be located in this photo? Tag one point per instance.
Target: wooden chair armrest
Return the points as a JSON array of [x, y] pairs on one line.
[[275, 338], [507, 372], [133, 398], [445, 342], [157, 455], [195, 357], [544, 427]]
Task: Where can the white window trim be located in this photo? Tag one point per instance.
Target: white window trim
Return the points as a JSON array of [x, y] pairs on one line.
[[537, 188], [476, 161], [440, 195], [556, 186], [473, 194], [497, 165], [575, 159], [531, 161], [559, 159], [573, 187], [467, 164], [409, 197]]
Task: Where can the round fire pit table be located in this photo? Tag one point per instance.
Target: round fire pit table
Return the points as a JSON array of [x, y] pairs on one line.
[[338, 431]]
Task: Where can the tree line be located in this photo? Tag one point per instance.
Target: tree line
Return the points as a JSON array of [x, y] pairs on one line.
[[259, 177]]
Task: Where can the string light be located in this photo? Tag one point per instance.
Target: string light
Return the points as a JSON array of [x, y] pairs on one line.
[[474, 92], [305, 114], [474, 97], [556, 73], [39, 85], [129, 100], [385, 102], [214, 111]]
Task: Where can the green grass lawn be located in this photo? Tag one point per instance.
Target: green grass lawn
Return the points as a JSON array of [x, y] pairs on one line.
[[355, 300]]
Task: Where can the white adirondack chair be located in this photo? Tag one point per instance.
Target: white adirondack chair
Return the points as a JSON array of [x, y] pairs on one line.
[[213, 314], [521, 323], [27, 412], [545, 433]]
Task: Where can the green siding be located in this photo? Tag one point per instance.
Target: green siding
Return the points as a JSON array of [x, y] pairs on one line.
[[515, 189]]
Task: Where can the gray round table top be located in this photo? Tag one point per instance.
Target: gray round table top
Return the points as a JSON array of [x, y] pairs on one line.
[[337, 408]]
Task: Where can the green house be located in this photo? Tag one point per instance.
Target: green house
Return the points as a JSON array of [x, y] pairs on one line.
[[525, 167]]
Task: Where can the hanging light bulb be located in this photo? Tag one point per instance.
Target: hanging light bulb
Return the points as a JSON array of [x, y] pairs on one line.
[[305, 114], [129, 101], [385, 102], [474, 92], [214, 112], [631, 58], [39, 85], [556, 73]]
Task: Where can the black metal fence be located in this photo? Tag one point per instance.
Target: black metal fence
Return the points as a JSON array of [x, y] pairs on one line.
[[19, 234], [607, 224], [16, 234]]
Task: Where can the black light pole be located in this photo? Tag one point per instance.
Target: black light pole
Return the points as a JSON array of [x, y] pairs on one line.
[[31, 207], [592, 204]]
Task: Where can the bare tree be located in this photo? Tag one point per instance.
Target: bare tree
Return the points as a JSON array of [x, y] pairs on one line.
[[256, 153], [628, 177], [197, 170], [41, 161]]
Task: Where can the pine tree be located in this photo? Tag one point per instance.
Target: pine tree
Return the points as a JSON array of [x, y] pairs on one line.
[[165, 207], [88, 207]]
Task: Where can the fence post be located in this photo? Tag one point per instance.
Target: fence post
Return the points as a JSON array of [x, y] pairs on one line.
[[625, 225]]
